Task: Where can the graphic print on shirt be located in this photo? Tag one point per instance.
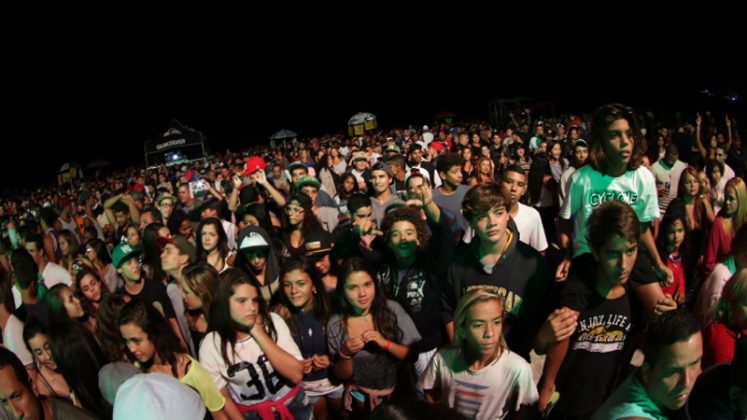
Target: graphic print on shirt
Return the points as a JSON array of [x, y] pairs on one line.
[[597, 198], [257, 388], [468, 397], [414, 293], [602, 333]]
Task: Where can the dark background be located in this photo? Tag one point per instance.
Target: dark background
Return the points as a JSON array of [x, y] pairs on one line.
[[86, 82]]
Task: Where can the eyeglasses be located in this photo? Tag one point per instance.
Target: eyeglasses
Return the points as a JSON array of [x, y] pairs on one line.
[[294, 210], [167, 204]]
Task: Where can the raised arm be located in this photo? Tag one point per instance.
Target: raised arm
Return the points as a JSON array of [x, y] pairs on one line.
[[698, 141]]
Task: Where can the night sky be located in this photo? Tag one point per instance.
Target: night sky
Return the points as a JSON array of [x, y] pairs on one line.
[[80, 81]]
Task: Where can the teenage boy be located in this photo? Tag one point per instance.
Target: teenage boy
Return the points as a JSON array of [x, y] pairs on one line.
[[585, 367], [496, 258], [615, 173], [527, 219]]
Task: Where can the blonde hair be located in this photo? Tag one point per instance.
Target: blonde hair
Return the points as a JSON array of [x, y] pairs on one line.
[[474, 296], [735, 290], [740, 189]]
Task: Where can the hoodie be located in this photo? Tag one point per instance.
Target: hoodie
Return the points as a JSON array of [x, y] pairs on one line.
[[253, 237]]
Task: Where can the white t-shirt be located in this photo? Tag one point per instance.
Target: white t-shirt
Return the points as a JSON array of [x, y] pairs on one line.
[[13, 340], [710, 293], [590, 188], [490, 393], [55, 274], [565, 184], [531, 231], [667, 177], [250, 377]]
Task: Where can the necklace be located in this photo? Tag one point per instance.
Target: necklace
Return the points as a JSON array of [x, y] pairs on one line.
[[365, 317]]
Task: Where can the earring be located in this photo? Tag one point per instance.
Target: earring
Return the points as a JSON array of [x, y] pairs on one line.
[[313, 291]]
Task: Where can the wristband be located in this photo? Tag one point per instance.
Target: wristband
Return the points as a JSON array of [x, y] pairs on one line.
[[343, 356], [388, 345]]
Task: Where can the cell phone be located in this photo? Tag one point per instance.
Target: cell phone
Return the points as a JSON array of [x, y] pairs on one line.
[[358, 396]]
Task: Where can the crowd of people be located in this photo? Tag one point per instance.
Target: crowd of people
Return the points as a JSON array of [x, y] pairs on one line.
[[566, 267]]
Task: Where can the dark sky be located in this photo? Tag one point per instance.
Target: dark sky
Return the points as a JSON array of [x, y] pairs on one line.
[[85, 83]]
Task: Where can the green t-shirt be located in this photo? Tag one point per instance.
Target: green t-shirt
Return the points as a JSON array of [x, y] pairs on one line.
[[629, 400]]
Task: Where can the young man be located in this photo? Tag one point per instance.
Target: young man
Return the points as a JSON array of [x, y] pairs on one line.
[[166, 203], [580, 158], [496, 258], [11, 327], [526, 218], [451, 192], [615, 173], [660, 388], [19, 399], [381, 191], [177, 253], [360, 171], [149, 214], [399, 170], [187, 201], [584, 367], [327, 216], [297, 170], [126, 260], [412, 276], [51, 273], [356, 236], [26, 274], [415, 163], [667, 172], [66, 219], [120, 210]]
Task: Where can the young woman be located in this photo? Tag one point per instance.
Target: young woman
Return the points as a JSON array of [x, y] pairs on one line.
[[729, 322], [63, 306], [299, 221], [152, 346], [468, 168], [107, 329], [257, 258], [250, 353], [98, 254], [715, 171], [479, 376], [698, 208], [348, 186], [212, 245], [558, 164], [304, 304], [198, 288], [369, 338], [70, 249], [48, 381], [673, 245], [79, 359], [90, 289], [132, 235], [485, 171], [728, 221], [152, 252]]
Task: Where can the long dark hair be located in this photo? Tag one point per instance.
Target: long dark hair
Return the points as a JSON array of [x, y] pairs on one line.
[[675, 211], [202, 280], [107, 330], [222, 239], [321, 307], [310, 222], [55, 305], [87, 304], [152, 252], [158, 330], [220, 319], [102, 253], [79, 359], [341, 190], [385, 321], [259, 211], [32, 328]]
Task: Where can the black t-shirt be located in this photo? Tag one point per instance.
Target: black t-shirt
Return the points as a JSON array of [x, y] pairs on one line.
[[38, 310], [308, 333], [596, 352], [155, 293]]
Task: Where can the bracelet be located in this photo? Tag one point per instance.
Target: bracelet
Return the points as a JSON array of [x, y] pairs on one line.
[[343, 355], [388, 345]]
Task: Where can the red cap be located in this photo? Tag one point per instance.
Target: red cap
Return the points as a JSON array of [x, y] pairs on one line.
[[437, 146], [189, 175], [64, 201], [253, 164]]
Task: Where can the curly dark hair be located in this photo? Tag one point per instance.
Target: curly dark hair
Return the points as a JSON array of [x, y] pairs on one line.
[[158, 330], [310, 222], [384, 320], [407, 214], [107, 329]]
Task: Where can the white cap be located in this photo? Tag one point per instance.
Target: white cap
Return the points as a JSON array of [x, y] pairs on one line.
[[155, 396], [425, 127]]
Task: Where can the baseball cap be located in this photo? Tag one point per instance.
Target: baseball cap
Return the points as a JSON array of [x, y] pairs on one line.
[[251, 238], [253, 164], [151, 396], [359, 156], [296, 165], [122, 253], [112, 376], [309, 181], [180, 242], [318, 243]]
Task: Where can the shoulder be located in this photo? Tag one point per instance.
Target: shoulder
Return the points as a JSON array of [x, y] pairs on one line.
[[643, 174], [395, 307]]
